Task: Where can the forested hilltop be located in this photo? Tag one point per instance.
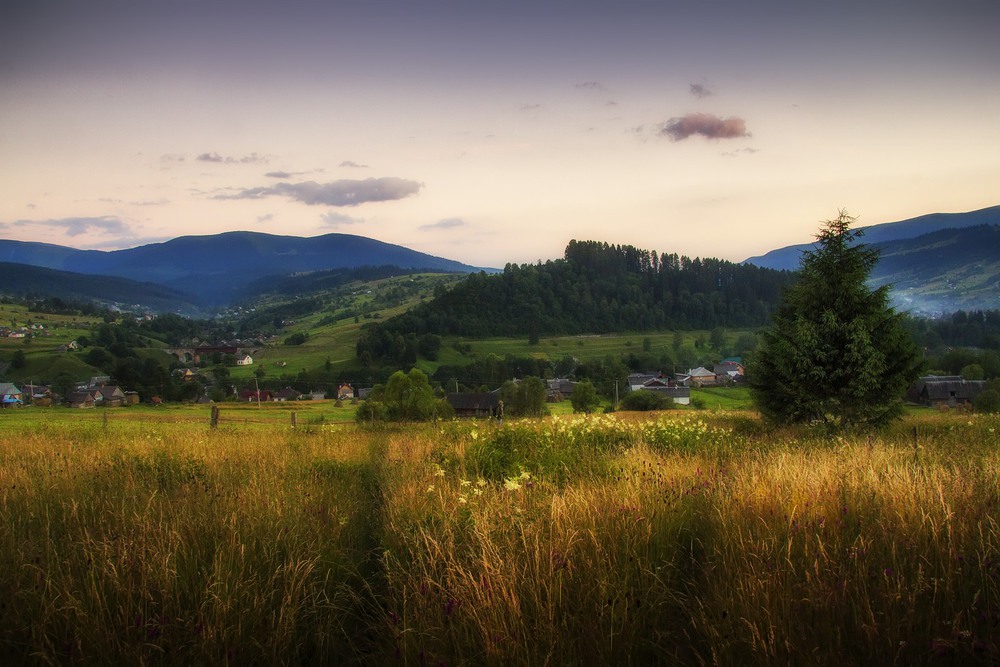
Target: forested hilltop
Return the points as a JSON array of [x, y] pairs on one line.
[[596, 288]]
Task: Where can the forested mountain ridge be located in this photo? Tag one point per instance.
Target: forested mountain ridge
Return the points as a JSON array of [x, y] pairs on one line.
[[596, 288], [217, 268], [23, 280]]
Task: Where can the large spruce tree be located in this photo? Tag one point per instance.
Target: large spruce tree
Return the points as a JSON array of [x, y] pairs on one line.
[[835, 352]]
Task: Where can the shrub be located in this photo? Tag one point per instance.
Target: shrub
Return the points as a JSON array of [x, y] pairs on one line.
[[644, 401]]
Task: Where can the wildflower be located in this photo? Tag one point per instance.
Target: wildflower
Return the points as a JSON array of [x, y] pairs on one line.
[[430, 489], [462, 499], [478, 492], [511, 484], [525, 474], [480, 482], [438, 471], [466, 482]]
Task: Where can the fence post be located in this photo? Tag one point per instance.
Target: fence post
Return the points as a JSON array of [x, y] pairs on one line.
[[215, 416], [293, 419], [105, 422]]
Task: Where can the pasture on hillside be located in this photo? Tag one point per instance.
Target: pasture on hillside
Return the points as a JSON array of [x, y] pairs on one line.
[[684, 537]]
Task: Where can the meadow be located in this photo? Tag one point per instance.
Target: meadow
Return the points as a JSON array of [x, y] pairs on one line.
[[674, 538]]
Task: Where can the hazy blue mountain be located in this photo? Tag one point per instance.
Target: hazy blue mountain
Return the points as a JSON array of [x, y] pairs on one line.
[[22, 280], [215, 267], [789, 256], [944, 271]]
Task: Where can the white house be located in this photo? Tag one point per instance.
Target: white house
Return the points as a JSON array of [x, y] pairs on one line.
[[245, 360]]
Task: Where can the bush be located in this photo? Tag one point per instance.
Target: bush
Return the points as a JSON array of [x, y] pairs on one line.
[[644, 401], [988, 401], [584, 397], [297, 338]]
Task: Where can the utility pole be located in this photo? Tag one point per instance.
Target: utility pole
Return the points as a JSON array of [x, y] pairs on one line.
[[257, 386]]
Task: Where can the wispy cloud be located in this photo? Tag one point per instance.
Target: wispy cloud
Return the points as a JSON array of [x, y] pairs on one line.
[[353, 165], [447, 223], [740, 151], [700, 91], [267, 217], [75, 226], [336, 220], [344, 192], [591, 85], [706, 125], [253, 158]]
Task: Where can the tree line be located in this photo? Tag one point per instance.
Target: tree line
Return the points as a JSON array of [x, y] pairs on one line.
[[595, 288]]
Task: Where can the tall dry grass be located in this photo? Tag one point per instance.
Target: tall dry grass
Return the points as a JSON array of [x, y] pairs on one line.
[[681, 539], [182, 545]]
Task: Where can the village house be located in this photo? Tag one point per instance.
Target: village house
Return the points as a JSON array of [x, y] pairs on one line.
[[10, 395], [110, 396], [559, 389], [254, 396], [729, 371], [636, 381], [345, 392], [83, 398], [287, 394], [474, 404], [944, 390], [663, 387], [245, 360], [698, 377], [186, 374]]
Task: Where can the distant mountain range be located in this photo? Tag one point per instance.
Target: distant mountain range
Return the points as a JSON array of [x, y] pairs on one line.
[[214, 269], [934, 263]]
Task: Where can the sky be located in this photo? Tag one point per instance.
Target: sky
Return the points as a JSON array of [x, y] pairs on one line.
[[493, 132]]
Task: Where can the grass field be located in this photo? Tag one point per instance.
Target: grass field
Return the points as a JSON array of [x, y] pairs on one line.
[[679, 538]]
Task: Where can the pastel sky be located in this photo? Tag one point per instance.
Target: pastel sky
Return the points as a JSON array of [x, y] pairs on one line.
[[493, 132]]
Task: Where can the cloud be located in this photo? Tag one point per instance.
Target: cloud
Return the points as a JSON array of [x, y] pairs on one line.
[[705, 124], [75, 226], [281, 174], [530, 107], [171, 157], [740, 151], [353, 165], [345, 192], [267, 217], [591, 85], [253, 158], [335, 220], [700, 91], [447, 223]]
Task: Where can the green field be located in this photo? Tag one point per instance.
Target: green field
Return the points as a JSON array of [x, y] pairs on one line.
[[676, 538]]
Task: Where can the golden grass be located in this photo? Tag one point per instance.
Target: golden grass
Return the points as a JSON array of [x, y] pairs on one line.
[[675, 539]]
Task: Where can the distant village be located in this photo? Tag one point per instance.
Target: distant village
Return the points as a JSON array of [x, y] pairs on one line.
[[102, 392]]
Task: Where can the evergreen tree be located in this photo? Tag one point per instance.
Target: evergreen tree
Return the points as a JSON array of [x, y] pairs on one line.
[[835, 352]]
